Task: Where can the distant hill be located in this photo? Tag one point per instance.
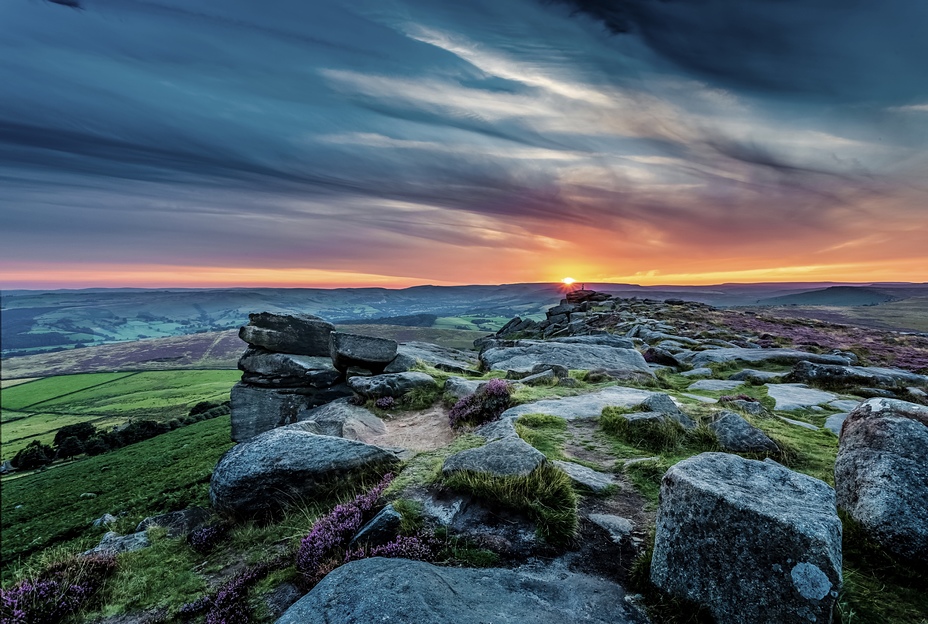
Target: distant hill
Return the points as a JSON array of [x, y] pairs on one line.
[[834, 296]]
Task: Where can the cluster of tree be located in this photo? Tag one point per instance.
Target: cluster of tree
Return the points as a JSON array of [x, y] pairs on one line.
[[72, 440]]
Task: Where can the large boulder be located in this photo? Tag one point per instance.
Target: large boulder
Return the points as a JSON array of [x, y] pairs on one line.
[[442, 358], [374, 354], [300, 334], [400, 590], [391, 384], [341, 419], [508, 457], [836, 375], [285, 370], [752, 541], [256, 410], [881, 474], [572, 356], [754, 356], [287, 466], [458, 387]]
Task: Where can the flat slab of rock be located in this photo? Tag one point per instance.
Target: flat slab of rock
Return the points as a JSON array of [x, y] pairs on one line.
[[881, 474], [797, 396], [619, 528], [756, 376], [714, 385], [288, 465], [739, 436], [834, 422], [300, 334], [586, 477], [391, 384], [341, 419], [873, 376], [508, 457], [698, 372], [400, 590], [286, 370], [606, 340], [776, 356], [569, 355], [798, 423], [368, 352], [752, 541], [845, 405]]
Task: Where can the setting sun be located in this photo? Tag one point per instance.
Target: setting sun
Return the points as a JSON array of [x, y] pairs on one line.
[[568, 281]]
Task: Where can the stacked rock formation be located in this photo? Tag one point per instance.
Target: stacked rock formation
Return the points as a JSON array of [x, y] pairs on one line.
[[295, 362]]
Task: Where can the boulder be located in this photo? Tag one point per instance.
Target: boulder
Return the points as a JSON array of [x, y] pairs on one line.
[[752, 407], [286, 466], [381, 529], [299, 334], [341, 419], [657, 355], [401, 590], [586, 477], [881, 474], [714, 385], [544, 378], [527, 354], [797, 396], [834, 422], [698, 372], [373, 354], [458, 387], [756, 355], [737, 435], [755, 376], [256, 410], [177, 522], [508, 457], [442, 358], [114, 543], [262, 367], [619, 528], [872, 376], [752, 541], [603, 340], [663, 404], [391, 384]]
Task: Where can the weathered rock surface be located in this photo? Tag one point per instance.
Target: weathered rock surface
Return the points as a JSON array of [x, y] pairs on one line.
[[400, 590], [881, 474], [177, 522], [619, 528], [458, 387], [442, 358], [586, 477], [753, 541], [510, 456], [572, 356], [285, 466], [778, 356], [797, 396], [604, 340], [299, 334], [739, 436], [285, 370], [698, 372], [756, 376], [341, 419], [256, 410], [113, 543], [373, 354], [714, 385], [834, 422], [873, 376], [391, 384]]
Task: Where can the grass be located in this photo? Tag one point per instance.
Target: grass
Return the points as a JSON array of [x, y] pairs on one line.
[[664, 435], [545, 495], [162, 474], [546, 433], [103, 399]]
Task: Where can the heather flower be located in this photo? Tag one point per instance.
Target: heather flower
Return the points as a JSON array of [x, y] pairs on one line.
[[204, 539], [484, 405], [418, 547], [334, 530], [385, 403]]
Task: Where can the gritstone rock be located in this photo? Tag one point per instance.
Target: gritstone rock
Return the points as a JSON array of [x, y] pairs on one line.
[[300, 334]]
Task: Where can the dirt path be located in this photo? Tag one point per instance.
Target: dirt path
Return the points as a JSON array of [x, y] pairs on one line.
[[420, 430]]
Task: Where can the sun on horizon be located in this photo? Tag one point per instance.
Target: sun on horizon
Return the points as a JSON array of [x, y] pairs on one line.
[[567, 281]]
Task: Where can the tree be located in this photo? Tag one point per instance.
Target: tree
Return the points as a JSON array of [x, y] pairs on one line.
[[96, 446], [35, 455], [70, 447], [83, 431]]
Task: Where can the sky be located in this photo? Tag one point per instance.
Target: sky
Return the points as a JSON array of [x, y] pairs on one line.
[[400, 142]]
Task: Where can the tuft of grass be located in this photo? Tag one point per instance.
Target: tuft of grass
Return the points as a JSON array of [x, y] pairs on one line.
[[545, 495], [411, 522], [546, 433], [646, 476], [664, 436], [530, 394], [425, 468], [420, 398]]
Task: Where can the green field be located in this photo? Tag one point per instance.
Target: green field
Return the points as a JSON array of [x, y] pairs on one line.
[[37, 409], [165, 473]]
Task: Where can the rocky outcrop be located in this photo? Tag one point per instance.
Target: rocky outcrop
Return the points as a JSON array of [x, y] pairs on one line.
[[391, 384], [408, 354], [300, 334], [737, 435], [526, 354], [752, 541], [400, 590], [777, 356], [881, 474], [286, 370], [256, 409], [368, 352], [508, 457], [341, 419], [872, 376], [288, 465]]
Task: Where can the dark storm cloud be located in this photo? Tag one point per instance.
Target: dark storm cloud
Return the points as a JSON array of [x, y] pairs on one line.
[[863, 50]]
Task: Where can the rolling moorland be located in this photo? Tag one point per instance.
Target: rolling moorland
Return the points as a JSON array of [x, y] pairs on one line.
[[172, 470]]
